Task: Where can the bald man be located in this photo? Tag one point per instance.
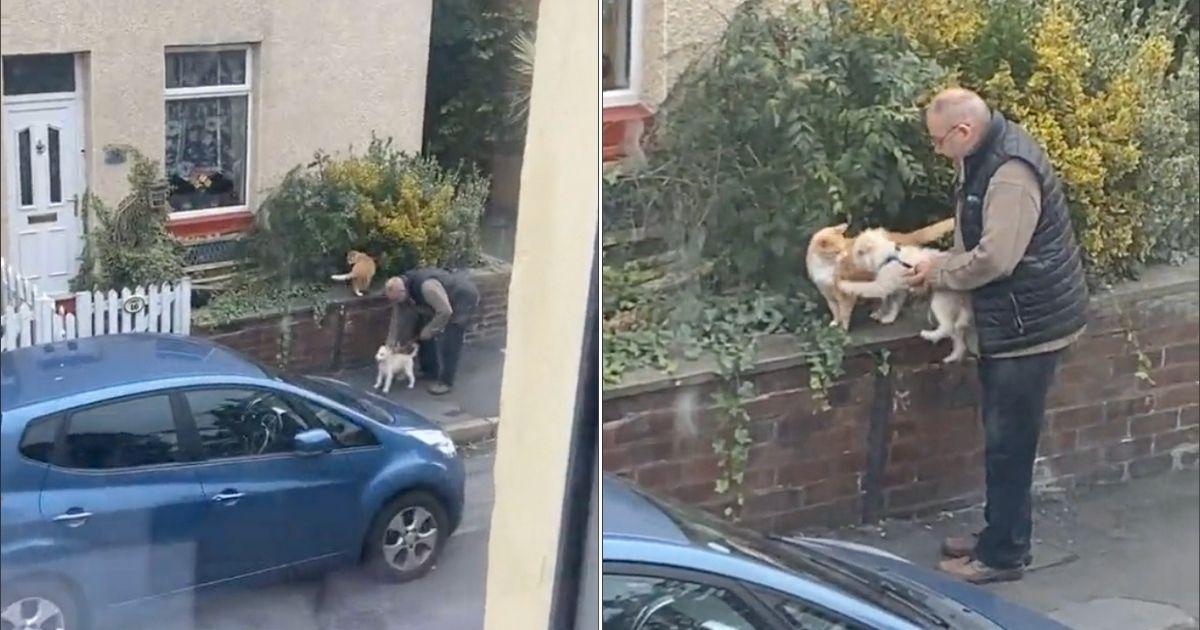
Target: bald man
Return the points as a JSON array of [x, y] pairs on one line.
[[437, 305], [1015, 252]]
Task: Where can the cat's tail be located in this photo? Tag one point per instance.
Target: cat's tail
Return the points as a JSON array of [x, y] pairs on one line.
[[927, 234], [341, 277]]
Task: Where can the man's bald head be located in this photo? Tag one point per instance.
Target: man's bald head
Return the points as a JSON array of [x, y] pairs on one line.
[[395, 289], [957, 120]]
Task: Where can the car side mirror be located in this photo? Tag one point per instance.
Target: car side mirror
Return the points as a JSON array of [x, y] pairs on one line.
[[313, 442]]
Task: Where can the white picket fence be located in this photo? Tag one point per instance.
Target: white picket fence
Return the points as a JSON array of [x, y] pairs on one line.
[[30, 318], [15, 289]]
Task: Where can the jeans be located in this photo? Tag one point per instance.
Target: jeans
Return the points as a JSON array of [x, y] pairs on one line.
[[439, 356], [1014, 406]]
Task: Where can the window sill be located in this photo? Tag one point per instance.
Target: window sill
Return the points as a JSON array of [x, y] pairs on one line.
[[616, 119], [210, 222]]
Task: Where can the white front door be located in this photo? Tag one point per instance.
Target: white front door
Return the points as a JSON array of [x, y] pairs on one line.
[[44, 183]]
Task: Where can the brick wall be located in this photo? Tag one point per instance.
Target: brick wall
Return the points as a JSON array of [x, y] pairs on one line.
[[351, 330], [910, 440]]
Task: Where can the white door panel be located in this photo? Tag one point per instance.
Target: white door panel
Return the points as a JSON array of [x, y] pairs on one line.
[[44, 187]]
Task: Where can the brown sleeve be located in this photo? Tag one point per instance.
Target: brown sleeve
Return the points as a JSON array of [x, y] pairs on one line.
[[402, 325], [435, 295], [393, 335], [1011, 207]]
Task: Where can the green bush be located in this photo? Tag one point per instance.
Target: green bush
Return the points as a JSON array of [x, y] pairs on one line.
[[403, 210], [1169, 178], [129, 246], [791, 124]]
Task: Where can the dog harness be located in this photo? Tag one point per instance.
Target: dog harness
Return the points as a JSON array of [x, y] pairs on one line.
[[895, 257]]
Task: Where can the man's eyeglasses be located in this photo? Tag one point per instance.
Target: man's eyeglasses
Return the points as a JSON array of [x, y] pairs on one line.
[[937, 144]]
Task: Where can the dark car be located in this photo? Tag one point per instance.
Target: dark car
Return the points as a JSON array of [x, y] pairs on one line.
[[134, 468], [670, 567]]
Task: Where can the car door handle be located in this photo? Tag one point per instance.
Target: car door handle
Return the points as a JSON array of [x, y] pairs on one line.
[[73, 518], [228, 495]]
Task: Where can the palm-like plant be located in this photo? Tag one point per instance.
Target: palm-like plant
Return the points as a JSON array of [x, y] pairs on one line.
[[521, 75]]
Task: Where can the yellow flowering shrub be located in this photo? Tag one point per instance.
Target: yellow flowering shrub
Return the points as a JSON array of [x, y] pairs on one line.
[[936, 26], [1091, 125], [405, 211]]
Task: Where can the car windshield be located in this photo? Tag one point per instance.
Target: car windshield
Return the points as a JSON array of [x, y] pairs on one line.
[[361, 403], [704, 529]]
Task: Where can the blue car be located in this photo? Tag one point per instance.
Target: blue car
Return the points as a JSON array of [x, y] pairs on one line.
[[670, 567], [135, 468]]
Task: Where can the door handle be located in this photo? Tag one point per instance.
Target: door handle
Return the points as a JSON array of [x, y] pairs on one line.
[[228, 495], [73, 518]]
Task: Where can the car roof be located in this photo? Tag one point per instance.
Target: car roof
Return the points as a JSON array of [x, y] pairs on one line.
[[66, 368], [628, 513]]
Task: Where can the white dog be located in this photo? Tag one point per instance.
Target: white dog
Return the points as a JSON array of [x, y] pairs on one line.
[[951, 309], [391, 363]]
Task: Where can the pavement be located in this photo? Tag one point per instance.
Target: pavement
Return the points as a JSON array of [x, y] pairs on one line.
[[451, 597], [1122, 557], [469, 413]]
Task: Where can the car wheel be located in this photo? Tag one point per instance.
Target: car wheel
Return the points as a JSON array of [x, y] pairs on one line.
[[407, 537], [39, 605]]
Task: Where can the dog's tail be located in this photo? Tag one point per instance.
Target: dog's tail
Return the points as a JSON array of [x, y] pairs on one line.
[[927, 234]]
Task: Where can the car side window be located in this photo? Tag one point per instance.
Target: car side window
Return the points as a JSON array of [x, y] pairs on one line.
[[638, 602], [240, 422], [123, 434], [345, 432], [805, 615], [37, 443]]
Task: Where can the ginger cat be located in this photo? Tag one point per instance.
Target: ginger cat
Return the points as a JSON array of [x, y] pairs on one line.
[[362, 269], [829, 262]]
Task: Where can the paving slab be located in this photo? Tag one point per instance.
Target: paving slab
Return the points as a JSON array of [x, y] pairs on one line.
[[1125, 552], [470, 412]]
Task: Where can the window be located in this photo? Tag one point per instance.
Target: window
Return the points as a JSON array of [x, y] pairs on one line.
[[124, 434], [38, 441], [26, 167], [345, 432], [621, 53], [653, 603], [243, 422], [805, 616], [55, 167], [38, 74], [208, 126]]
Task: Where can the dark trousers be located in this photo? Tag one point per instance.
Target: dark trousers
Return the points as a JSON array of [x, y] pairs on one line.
[[439, 356], [1014, 406]]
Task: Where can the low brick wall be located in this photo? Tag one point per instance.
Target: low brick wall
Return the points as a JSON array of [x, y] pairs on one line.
[[351, 329], [910, 440]]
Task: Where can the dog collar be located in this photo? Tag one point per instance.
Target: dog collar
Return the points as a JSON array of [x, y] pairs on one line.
[[895, 257]]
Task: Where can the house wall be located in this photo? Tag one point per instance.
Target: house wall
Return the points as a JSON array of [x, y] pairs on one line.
[[908, 439], [677, 32], [674, 34], [327, 73]]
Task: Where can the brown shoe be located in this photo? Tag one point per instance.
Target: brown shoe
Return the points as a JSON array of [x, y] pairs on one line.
[[976, 572], [959, 546]]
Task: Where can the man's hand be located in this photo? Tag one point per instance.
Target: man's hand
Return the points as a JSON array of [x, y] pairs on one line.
[[426, 334], [918, 276]]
